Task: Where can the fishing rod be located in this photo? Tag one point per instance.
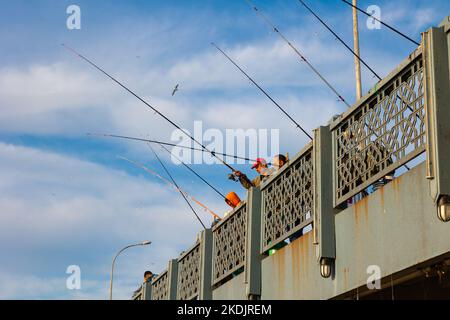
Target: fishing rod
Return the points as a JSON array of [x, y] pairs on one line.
[[146, 103], [263, 91], [383, 23], [172, 185], [167, 144], [193, 171], [175, 183], [276, 30], [340, 39], [357, 56]]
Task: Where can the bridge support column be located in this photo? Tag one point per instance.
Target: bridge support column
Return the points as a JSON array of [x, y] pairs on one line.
[[172, 272], [253, 246], [206, 244], [324, 227], [147, 291], [436, 48]]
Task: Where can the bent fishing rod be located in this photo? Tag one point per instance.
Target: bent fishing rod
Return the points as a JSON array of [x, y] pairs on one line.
[[175, 183], [383, 23], [146, 103], [276, 30], [171, 185], [166, 144], [193, 171], [263, 91]]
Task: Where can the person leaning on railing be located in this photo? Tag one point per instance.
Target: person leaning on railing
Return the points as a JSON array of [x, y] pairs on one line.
[[233, 200], [148, 276], [379, 149], [260, 165], [373, 157]]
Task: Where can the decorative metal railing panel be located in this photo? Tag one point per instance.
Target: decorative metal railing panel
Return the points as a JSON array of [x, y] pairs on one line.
[[138, 295], [381, 134], [287, 200], [229, 244], [189, 274], [160, 287]]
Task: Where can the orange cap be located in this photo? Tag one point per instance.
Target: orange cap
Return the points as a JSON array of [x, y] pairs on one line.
[[232, 199]]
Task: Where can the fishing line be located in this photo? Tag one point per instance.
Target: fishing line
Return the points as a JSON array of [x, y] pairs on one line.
[[172, 185], [263, 91], [359, 58], [193, 171], [146, 103], [275, 29], [383, 23], [168, 144]]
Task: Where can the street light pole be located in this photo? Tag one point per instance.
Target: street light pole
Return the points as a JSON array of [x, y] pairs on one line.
[[144, 243], [356, 49]]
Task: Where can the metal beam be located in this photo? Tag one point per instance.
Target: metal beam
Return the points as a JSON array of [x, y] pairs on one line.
[[253, 256], [436, 50]]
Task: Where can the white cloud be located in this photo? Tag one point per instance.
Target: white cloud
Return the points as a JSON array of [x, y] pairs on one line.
[[62, 99], [82, 213]]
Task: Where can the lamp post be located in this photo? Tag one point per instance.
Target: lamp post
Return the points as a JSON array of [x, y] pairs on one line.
[[144, 243]]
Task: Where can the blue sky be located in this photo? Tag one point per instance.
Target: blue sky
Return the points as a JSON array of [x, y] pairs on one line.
[[67, 199]]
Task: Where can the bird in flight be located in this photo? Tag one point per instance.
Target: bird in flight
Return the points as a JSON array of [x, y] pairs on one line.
[[175, 90]]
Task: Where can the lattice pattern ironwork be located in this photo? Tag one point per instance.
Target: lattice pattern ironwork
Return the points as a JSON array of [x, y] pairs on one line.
[[138, 295], [189, 274], [229, 244], [382, 134], [288, 201], [160, 287]]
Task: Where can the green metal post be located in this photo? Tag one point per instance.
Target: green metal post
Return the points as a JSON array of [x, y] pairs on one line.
[[253, 256], [324, 227], [206, 243]]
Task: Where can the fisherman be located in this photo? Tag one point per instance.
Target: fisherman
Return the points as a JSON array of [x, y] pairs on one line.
[[231, 199], [279, 161], [371, 161], [148, 276], [260, 165], [370, 156]]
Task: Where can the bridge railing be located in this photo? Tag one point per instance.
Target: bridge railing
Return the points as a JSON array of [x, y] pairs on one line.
[[188, 279], [138, 295], [287, 200], [384, 131], [160, 286], [229, 239], [381, 133]]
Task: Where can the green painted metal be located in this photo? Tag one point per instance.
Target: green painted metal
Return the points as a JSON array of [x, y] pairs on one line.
[[382, 132], [436, 42], [392, 228], [160, 286], [229, 237], [173, 273], [287, 200], [206, 245], [324, 212], [189, 268], [234, 289], [146, 291], [253, 257]]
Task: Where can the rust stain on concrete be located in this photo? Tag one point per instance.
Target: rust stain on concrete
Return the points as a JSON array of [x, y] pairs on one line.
[[280, 262], [345, 279]]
